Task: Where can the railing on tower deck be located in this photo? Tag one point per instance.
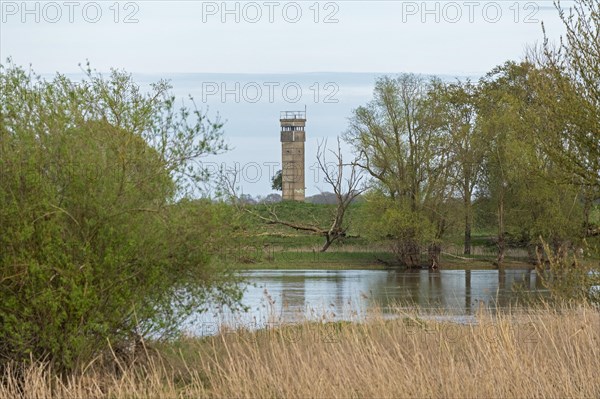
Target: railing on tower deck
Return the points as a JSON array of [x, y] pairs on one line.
[[292, 115]]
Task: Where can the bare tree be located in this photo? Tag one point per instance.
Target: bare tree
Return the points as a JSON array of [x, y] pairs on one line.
[[226, 183], [345, 190]]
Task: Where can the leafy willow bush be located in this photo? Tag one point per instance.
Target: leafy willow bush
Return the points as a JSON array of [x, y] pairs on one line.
[[566, 277], [97, 241], [393, 221]]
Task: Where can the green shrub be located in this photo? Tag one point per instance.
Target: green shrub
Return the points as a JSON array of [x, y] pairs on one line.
[[96, 243], [566, 277]]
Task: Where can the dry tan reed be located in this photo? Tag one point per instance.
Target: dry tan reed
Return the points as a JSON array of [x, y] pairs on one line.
[[550, 353]]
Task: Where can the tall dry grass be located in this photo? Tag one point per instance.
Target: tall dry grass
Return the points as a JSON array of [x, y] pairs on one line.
[[536, 353]]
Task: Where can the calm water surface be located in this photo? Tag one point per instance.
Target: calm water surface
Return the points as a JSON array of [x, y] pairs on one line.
[[286, 296]]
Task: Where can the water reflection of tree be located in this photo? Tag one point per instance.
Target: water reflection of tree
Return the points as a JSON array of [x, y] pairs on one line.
[[468, 309], [501, 297], [293, 292], [343, 292], [328, 291], [427, 289], [434, 292], [408, 288]]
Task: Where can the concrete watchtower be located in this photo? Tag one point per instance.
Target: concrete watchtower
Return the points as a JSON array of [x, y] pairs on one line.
[[292, 154]]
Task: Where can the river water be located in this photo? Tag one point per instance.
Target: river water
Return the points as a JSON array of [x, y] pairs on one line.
[[275, 297]]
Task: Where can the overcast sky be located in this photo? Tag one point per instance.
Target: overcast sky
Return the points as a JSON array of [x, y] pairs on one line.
[[264, 39], [444, 37]]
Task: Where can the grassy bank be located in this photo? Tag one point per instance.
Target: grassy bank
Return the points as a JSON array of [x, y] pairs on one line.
[[309, 259], [274, 246], [355, 258], [535, 353]]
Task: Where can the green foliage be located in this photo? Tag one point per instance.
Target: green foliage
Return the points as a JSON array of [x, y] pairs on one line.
[[430, 146], [467, 145], [401, 145], [384, 219], [277, 182], [571, 84], [567, 279], [95, 246], [536, 198], [396, 137]]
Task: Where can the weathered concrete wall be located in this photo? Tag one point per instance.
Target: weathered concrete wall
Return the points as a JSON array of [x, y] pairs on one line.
[[292, 158]]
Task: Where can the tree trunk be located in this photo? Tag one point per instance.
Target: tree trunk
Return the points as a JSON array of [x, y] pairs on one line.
[[501, 251], [328, 241], [501, 241], [408, 253], [467, 226], [586, 212], [532, 254], [468, 291], [434, 251], [540, 260]]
